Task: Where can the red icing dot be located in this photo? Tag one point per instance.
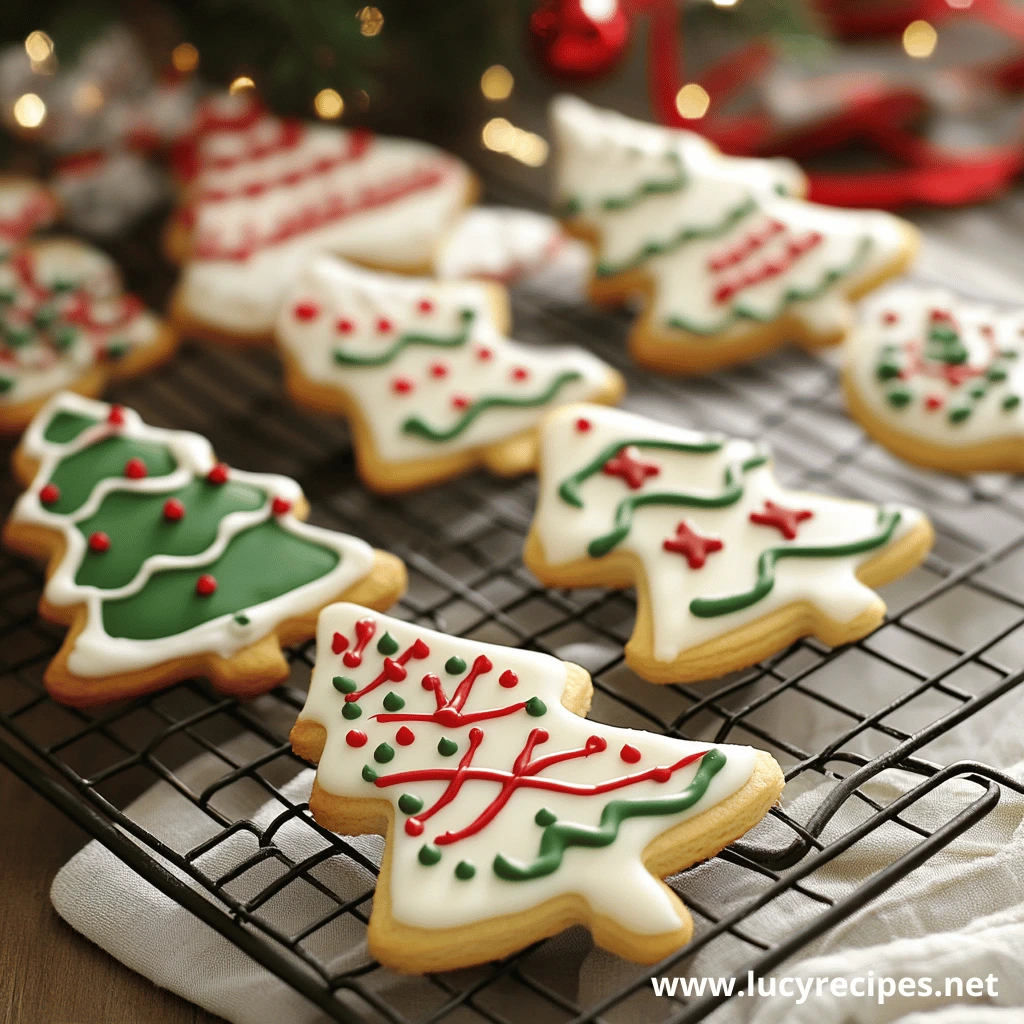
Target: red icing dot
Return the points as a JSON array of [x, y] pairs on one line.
[[383, 325], [306, 311], [987, 330], [438, 370], [345, 326], [429, 681], [594, 744], [661, 775], [933, 402], [483, 354], [116, 416], [49, 494], [339, 642], [205, 585], [520, 373], [508, 679], [173, 510], [402, 385], [355, 738], [279, 506], [404, 736], [425, 306], [941, 315], [629, 754], [218, 475], [99, 542], [583, 425], [460, 402], [135, 469], [413, 827]]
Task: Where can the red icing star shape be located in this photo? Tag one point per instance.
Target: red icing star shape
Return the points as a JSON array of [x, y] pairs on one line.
[[694, 547], [785, 520], [633, 469]]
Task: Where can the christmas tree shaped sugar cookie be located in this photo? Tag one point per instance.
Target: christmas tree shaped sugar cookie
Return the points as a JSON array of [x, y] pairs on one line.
[[728, 261], [65, 322], [729, 567], [263, 193], [939, 380], [166, 563], [508, 816], [424, 373]]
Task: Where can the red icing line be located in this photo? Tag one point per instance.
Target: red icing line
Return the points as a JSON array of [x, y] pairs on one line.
[[365, 629], [770, 268], [748, 245], [34, 212], [393, 671], [785, 520]]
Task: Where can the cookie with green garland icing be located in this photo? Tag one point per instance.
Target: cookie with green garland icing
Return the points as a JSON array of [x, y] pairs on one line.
[[423, 371], [729, 261], [508, 816], [165, 563], [939, 379], [66, 322], [729, 567]]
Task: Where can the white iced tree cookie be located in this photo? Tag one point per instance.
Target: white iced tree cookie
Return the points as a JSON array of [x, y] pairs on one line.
[[264, 193], [166, 563], [508, 817], [730, 262], [938, 380], [728, 566], [65, 322], [424, 372]]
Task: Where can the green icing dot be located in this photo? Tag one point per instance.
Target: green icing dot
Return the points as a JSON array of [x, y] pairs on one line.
[[465, 870], [18, 336], [446, 747], [544, 817], [369, 774], [63, 284], [1009, 353], [536, 707], [466, 315], [392, 702], [242, 620], [996, 374], [899, 397], [888, 369], [64, 337], [409, 803], [351, 711], [977, 391], [7, 296], [6, 383], [117, 349], [454, 665], [384, 753], [387, 644], [959, 413], [44, 316], [1011, 402], [429, 855], [343, 684]]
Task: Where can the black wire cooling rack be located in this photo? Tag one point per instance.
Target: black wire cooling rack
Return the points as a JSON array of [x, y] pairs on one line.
[[948, 651]]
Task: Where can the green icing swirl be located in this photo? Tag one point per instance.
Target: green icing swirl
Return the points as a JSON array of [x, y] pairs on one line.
[[467, 316]]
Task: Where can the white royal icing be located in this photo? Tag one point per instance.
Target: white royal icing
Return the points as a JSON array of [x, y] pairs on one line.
[[95, 653], [436, 384], [724, 239], [611, 879], [268, 196], [565, 532], [25, 206], [37, 367], [987, 384]]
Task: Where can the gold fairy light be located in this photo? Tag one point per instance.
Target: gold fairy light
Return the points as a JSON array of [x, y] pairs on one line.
[[241, 84], [919, 39], [87, 98], [496, 83], [692, 101], [498, 134], [328, 104], [39, 47], [29, 110], [371, 21], [185, 58], [501, 136], [725, 3]]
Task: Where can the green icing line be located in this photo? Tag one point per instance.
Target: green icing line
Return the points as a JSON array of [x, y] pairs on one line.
[[710, 607], [677, 241], [467, 316], [545, 817], [387, 644], [257, 565], [574, 206], [559, 836], [418, 426], [791, 295], [80, 472], [455, 665], [66, 426], [137, 528]]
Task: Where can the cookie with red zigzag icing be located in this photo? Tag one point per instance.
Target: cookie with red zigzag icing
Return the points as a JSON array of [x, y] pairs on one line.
[[507, 816], [729, 567]]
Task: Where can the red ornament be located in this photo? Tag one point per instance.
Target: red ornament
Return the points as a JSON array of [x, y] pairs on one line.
[[206, 585], [628, 465], [135, 469], [629, 754], [355, 738], [173, 510], [785, 520], [99, 542], [578, 40], [402, 385], [49, 494], [218, 475], [404, 736], [279, 506], [116, 416], [694, 547], [306, 311]]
